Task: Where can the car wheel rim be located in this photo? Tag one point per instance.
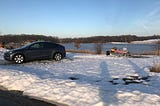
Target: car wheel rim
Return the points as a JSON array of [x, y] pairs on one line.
[[58, 56], [19, 59]]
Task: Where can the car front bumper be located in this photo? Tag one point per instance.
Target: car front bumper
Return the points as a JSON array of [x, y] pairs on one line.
[[8, 56]]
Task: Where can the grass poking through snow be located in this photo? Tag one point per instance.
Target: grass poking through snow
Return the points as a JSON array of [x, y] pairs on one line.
[[155, 68]]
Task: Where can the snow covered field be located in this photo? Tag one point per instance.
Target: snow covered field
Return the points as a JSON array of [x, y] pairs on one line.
[[86, 80]]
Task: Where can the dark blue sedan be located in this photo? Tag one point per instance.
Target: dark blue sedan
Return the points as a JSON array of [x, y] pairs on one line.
[[36, 51]]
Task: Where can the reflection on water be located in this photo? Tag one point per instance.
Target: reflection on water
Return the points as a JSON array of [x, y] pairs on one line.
[[133, 48]]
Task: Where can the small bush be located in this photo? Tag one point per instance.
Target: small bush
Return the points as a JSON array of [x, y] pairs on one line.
[[155, 68], [156, 52]]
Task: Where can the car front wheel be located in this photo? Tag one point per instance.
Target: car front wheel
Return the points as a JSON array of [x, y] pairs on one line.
[[18, 58], [57, 56]]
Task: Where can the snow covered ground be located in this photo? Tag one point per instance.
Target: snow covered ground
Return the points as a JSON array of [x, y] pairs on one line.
[[86, 80], [151, 41]]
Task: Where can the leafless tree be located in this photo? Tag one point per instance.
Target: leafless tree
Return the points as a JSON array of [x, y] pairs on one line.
[[158, 47], [77, 44], [98, 48]]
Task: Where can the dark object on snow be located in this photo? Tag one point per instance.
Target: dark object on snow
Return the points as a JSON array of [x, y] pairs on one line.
[[107, 53], [36, 51], [16, 98], [115, 51], [73, 78]]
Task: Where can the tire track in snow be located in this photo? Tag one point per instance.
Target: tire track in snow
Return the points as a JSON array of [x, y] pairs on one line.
[[138, 70], [129, 72], [119, 67]]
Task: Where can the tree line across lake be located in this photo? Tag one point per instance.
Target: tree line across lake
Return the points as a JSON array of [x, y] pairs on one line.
[[5, 39]]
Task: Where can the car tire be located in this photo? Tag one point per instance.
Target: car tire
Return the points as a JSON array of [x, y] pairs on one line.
[[18, 58], [57, 56]]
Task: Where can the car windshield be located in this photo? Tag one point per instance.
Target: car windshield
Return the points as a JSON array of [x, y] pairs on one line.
[[24, 46]]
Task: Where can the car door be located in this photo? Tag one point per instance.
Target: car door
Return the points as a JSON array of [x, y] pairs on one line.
[[36, 51], [47, 50]]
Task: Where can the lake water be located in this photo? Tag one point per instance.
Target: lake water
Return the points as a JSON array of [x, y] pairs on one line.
[[133, 48]]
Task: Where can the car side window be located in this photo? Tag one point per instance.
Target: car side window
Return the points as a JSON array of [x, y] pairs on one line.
[[36, 46], [47, 45]]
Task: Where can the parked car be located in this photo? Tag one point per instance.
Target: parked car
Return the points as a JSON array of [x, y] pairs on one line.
[[36, 51]]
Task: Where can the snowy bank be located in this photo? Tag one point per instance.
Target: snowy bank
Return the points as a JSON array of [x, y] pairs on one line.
[[152, 41]]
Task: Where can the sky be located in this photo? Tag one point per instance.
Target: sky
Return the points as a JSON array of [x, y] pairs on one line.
[[80, 18]]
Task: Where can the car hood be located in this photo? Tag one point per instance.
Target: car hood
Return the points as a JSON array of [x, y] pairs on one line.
[[15, 50]]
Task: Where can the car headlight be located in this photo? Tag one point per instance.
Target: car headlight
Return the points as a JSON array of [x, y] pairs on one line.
[[9, 52]]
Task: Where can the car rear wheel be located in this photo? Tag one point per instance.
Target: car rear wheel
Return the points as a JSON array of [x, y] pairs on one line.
[[18, 58], [57, 56]]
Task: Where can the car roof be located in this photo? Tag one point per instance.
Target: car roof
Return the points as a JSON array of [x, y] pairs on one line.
[[43, 42], [39, 42]]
